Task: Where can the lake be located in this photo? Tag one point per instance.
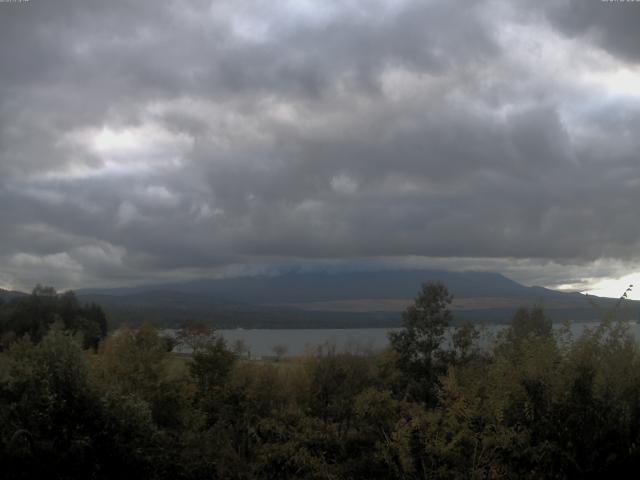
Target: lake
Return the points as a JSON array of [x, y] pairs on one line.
[[261, 342]]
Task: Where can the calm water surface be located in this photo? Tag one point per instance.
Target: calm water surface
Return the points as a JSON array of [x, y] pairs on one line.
[[261, 342]]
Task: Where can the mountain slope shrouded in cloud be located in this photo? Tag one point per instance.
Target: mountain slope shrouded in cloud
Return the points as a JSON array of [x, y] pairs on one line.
[[297, 287], [347, 299]]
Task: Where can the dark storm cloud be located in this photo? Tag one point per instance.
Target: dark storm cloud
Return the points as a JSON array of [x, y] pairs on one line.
[[146, 139], [613, 25]]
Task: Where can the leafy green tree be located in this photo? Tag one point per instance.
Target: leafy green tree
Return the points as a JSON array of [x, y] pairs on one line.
[[135, 363], [335, 379], [417, 346], [211, 364], [48, 410], [528, 323], [464, 345]]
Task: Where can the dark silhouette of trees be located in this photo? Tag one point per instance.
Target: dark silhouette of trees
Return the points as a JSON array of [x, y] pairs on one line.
[[417, 345], [35, 314]]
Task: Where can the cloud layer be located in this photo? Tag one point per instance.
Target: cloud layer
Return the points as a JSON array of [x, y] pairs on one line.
[[143, 141]]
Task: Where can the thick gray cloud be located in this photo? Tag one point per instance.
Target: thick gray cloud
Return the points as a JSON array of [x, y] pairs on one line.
[[143, 141], [611, 24]]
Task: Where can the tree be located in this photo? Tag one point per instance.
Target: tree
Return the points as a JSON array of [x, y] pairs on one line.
[[34, 315], [48, 409], [464, 344], [280, 351], [241, 349], [529, 323], [211, 364], [194, 336], [335, 379], [417, 346], [135, 362]]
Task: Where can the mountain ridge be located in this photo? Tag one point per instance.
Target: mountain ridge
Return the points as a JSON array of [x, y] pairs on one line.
[[334, 299], [295, 287]]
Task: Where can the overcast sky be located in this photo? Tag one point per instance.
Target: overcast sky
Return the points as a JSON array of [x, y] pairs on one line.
[[159, 140]]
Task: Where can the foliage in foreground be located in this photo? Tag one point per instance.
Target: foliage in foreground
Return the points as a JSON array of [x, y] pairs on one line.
[[538, 404]]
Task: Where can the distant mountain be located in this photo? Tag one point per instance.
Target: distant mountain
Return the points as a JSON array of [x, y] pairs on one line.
[[345, 299], [9, 294], [325, 286]]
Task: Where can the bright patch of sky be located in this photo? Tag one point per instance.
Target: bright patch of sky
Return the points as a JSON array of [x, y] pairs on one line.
[[616, 287]]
